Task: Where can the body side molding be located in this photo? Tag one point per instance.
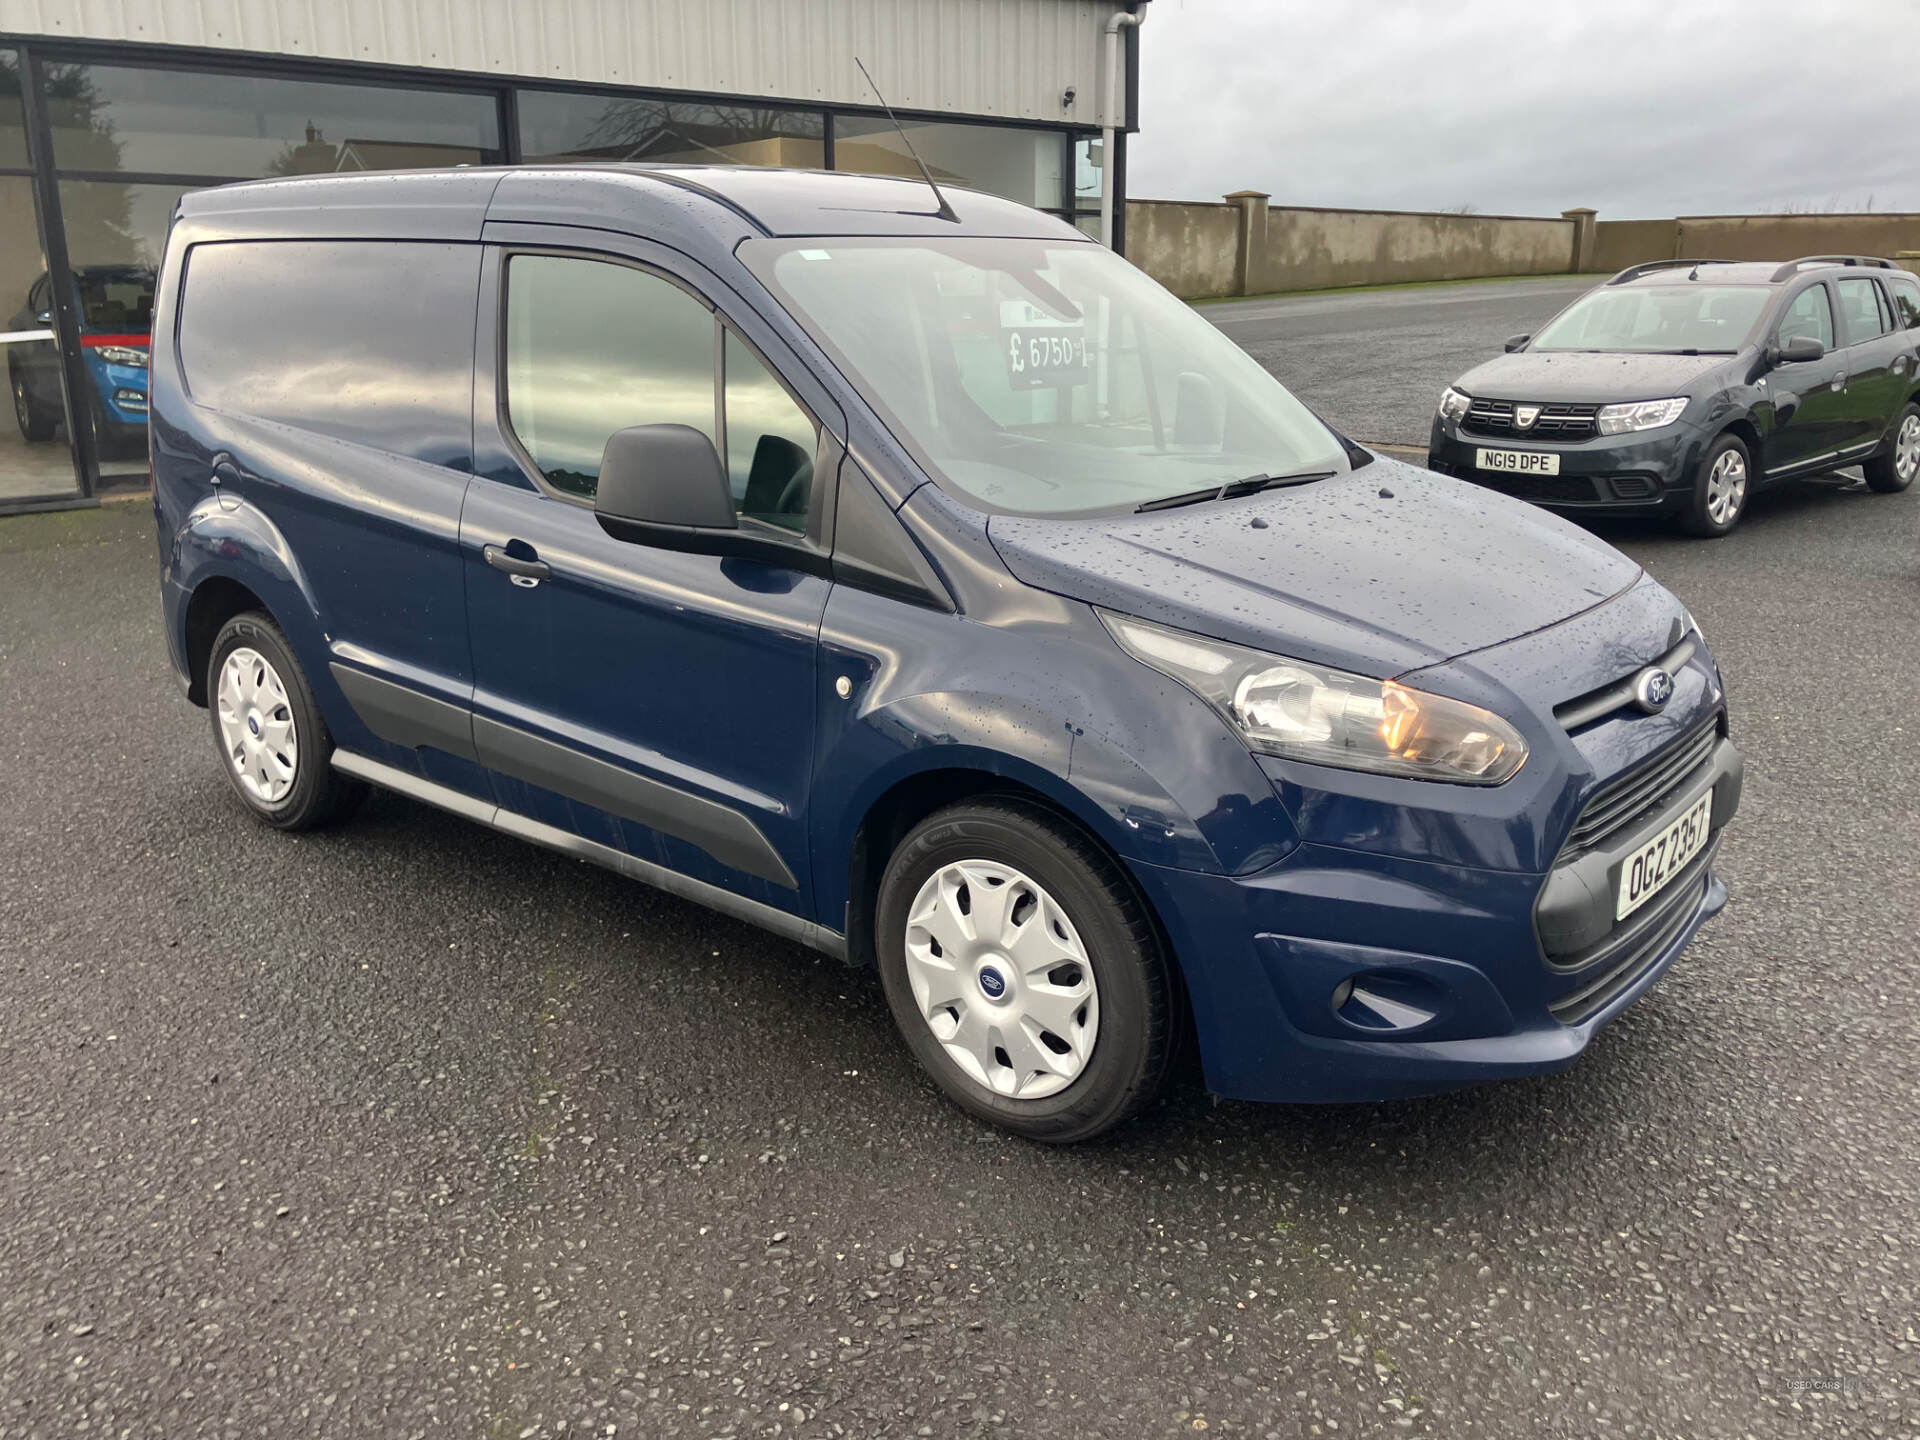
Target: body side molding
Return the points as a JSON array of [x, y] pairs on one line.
[[791, 927], [721, 831]]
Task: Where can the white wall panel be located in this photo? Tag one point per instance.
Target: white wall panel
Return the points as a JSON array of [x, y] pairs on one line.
[[1008, 58]]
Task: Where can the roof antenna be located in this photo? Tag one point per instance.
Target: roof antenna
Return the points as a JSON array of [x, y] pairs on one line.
[[945, 212]]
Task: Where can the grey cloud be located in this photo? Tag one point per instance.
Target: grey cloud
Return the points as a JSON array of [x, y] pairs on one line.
[[1637, 108]]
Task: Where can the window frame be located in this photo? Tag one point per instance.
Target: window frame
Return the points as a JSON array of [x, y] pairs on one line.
[[1909, 286], [811, 540], [1833, 318], [1843, 319]]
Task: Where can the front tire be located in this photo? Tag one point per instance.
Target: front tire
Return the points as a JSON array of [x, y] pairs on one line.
[[275, 749], [1893, 470], [1721, 489], [34, 426], [1023, 971]]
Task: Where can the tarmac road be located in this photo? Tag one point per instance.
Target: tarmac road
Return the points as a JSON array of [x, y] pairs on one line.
[[1373, 362], [409, 1129]]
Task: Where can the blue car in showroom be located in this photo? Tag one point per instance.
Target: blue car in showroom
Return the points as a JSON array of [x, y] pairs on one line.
[[913, 577], [116, 318]]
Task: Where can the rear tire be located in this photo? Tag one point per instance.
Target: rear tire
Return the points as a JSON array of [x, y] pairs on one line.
[[1893, 469], [275, 749], [1721, 489], [1063, 1015]]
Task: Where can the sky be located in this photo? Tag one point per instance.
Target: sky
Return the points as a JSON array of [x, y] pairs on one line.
[[1638, 108]]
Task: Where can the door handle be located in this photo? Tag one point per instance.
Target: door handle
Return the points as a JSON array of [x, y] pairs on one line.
[[527, 573], [1839, 381]]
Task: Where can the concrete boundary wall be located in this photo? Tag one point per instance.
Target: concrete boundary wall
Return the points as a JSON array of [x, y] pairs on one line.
[[1245, 246]]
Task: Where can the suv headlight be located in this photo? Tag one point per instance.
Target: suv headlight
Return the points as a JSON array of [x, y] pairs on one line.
[[1308, 712], [1640, 415], [123, 355], [1454, 405]]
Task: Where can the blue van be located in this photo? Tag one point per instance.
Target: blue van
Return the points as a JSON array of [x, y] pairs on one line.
[[930, 587]]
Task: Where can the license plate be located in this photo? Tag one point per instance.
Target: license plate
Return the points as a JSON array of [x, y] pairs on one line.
[[1649, 868], [1519, 462]]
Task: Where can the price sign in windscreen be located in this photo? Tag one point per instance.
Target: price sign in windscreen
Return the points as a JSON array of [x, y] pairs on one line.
[[1041, 349]]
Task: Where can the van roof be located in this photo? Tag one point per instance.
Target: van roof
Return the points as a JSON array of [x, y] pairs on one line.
[[770, 201]]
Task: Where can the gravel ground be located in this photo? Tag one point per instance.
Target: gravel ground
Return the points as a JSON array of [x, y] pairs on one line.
[[408, 1129]]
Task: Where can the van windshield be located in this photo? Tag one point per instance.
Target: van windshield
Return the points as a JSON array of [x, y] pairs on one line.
[[1042, 377], [1658, 319]]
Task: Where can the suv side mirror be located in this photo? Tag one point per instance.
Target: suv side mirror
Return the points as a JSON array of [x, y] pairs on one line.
[[660, 482], [1514, 342], [1798, 351]]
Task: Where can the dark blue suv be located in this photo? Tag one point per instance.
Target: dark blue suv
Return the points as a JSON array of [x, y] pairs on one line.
[[931, 587]]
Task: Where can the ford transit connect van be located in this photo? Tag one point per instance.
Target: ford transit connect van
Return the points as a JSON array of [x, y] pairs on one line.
[[936, 590]]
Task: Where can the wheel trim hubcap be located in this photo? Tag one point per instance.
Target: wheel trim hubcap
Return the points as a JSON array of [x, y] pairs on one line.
[[256, 726], [1726, 487], [1002, 979], [1906, 448]]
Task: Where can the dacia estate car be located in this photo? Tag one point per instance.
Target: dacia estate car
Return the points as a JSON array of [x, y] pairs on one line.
[[115, 306], [927, 585], [1680, 387]]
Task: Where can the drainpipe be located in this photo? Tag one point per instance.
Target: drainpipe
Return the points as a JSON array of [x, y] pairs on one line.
[[1116, 22]]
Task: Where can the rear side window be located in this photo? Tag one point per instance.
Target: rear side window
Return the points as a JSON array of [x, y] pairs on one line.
[[1905, 291], [1809, 315], [370, 341], [1860, 309]]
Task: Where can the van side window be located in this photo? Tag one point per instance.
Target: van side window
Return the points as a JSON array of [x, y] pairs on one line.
[[1906, 300], [594, 347], [770, 442], [1809, 315], [366, 340]]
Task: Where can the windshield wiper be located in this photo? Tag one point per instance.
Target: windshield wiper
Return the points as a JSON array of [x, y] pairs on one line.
[[1233, 489]]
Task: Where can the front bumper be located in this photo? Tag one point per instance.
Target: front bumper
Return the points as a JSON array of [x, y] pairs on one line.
[[1341, 975], [1648, 473]]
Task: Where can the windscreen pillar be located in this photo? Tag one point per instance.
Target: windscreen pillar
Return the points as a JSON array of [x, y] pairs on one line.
[[1586, 230], [1250, 259]]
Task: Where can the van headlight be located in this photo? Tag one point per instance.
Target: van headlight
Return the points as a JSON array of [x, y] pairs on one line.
[[1640, 415], [1454, 405], [1308, 712]]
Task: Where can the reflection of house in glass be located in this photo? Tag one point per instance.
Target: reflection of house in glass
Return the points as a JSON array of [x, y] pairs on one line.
[[316, 155]]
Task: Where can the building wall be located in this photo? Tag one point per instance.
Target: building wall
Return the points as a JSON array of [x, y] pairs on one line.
[[1190, 249], [1006, 58], [1314, 249]]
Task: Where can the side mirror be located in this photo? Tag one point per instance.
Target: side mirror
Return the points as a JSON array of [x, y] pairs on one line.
[[1798, 351], [661, 483], [664, 486], [1515, 342]]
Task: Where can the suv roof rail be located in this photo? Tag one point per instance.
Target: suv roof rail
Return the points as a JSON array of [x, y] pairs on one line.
[[1634, 272], [1792, 267]]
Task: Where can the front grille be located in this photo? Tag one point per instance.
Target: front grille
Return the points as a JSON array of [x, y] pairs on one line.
[[1619, 803], [1555, 422], [1623, 957], [1550, 489]]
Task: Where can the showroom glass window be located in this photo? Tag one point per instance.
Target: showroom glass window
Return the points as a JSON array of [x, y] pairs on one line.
[[555, 126], [1020, 164], [180, 122]]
